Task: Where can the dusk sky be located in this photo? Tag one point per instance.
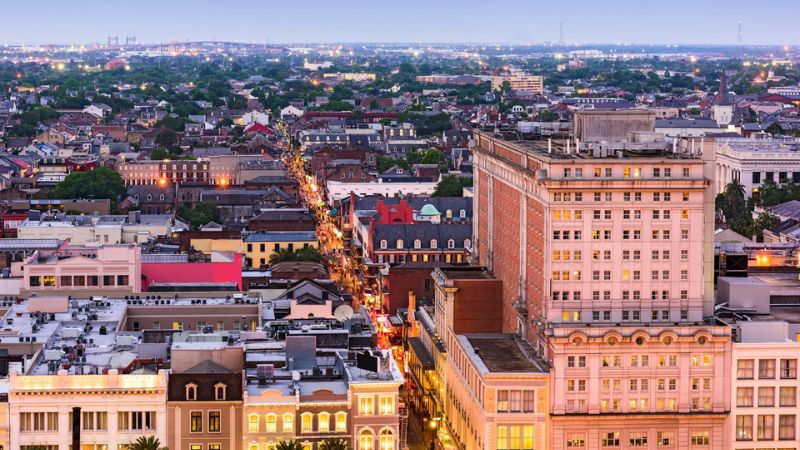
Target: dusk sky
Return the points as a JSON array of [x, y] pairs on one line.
[[506, 21]]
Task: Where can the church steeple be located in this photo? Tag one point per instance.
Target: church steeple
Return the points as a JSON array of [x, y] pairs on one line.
[[722, 94]]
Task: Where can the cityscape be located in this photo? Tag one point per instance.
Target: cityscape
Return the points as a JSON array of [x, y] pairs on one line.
[[328, 234]]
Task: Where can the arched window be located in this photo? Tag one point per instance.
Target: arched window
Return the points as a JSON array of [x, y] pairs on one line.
[[366, 440], [434, 244], [288, 423], [387, 439], [184, 167], [449, 213], [272, 423], [220, 391], [417, 244], [467, 243], [149, 197], [324, 421], [191, 391], [306, 422], [451, 243], [162, 197], [252, 423], [384, 244], [399, 243], [341, 421], [462, 214]]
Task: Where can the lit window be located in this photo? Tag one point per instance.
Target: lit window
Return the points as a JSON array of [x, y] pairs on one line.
[[387, 439], [366, 440], [288, 422], [272, 423], [252, 423], [341, 421], [323, 421], [306, 422]]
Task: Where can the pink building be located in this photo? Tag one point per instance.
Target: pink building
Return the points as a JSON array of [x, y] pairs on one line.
[[606, 260], [219, 269], [105, 270]]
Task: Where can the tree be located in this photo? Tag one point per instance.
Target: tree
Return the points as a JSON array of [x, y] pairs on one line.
[[334, 444], [311, 254], [101, 182], [452, 186], [774, 129], [289, 445], [201, 214], [146, 443], [159, 153], [764, 221], [167, 138]]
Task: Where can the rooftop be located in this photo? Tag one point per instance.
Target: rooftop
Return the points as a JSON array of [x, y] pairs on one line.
[[501, 353]]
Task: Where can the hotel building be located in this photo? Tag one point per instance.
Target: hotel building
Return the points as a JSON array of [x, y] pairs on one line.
[[606, 265]]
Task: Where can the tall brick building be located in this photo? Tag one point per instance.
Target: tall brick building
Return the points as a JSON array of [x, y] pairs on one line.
[[606, 261]]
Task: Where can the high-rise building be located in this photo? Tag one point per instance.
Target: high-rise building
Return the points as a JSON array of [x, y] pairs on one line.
[[604, 252]]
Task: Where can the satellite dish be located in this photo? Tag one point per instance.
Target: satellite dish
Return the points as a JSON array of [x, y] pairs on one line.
[[295, 375], [343, 313]]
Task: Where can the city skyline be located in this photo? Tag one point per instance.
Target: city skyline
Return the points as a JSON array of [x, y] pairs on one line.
[[513, 22]]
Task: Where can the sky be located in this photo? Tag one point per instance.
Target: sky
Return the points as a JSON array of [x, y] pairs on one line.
[[494, 21]]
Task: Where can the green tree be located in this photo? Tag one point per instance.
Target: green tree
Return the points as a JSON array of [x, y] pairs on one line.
[[289, 445], [311, 254], [201, 214], [334, 444], [101, 182], [774, 129], [146, 443], [764, 221], [452, 186], [159, 153], [167, 138]]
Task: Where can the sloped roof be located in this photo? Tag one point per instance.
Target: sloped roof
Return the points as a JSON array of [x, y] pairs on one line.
[[207, 366]]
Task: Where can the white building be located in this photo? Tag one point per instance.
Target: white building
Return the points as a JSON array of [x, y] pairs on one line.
[[754, 161], [338, 190]]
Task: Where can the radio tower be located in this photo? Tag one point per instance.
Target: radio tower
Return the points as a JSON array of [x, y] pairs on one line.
[[739, 39]]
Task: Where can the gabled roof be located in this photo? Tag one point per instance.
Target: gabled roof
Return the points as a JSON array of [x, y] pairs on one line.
[[207, 366]]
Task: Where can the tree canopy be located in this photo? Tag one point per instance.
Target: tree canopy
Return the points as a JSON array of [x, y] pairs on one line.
[[311, 254], [201, 214], [452, 186], [99, 183]]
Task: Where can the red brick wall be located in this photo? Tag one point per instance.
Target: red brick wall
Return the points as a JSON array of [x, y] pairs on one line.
[[483, 214], [475, 307], [534, 247], [506, 258]]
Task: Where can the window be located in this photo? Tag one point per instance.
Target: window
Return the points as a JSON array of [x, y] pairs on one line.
[[306, 422], [744, 396], [700, 438], [383, 244], [765, 427], [366, 440], [214, 421], [664, 439], [766, 369], [288, 423], [341, 421], [788, 396], [324, 421], [387, 439], [637, 439], [786, 425], [39, 421], [744, 369], [196, 422], [220, 391], [399, 243], [610, 439], [366, 405], [788, 369], [766, 396], [576, 440], [272, 423], [252, 423], [136, 420], [515, 437], [744, 428]]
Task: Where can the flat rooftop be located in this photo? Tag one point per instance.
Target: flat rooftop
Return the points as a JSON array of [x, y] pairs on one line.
[[467, 273], [502, 353]]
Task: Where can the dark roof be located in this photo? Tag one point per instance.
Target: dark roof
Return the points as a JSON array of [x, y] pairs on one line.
[[283, 215], [442, 204], [207, 366], [425, 232]]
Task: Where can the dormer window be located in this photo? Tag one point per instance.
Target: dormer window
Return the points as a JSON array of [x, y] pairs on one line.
[[434, 244], [220, 391], [384, 244], [399, 243], [191, 391], [417, 244], [451, 243], [462, 214], [149, 197], [162, 197], [449, 214], [467, 243]]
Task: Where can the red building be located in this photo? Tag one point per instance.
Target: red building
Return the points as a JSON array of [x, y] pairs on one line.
[[162, 269]]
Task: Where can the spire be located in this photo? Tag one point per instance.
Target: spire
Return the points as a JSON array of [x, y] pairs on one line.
[[722, 94]]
